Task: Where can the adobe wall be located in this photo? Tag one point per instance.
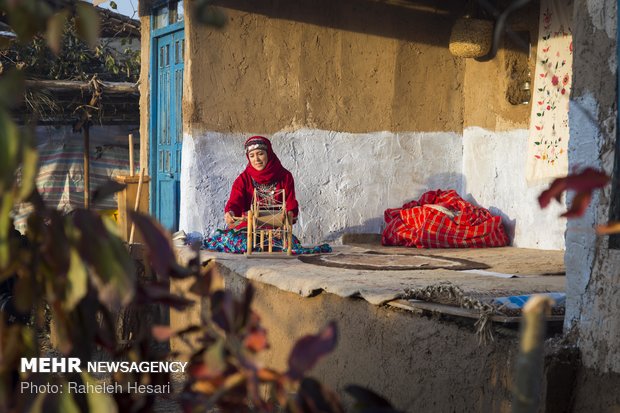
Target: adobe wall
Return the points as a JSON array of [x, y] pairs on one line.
[[365, 105], [419, 364], [593, 270], [344, 66]]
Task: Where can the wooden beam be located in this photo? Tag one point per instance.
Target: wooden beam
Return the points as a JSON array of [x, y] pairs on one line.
[[72, 85]]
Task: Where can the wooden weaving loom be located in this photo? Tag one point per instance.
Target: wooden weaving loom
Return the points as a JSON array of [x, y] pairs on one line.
[[268, 220]]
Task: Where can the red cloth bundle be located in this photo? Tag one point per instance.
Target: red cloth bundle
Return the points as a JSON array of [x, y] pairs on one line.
[[442, 219]]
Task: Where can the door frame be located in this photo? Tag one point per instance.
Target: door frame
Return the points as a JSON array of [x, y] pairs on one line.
[[153, 135]]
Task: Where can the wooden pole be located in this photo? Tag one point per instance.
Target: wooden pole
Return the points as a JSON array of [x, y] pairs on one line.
[[289, 237], [131, 166], [530, 363], [262, 239], [249, 241], [270, 241], [86, 165], [136, 204]]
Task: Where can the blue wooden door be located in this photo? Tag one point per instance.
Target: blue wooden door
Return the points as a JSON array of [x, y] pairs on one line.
[[168, 131]]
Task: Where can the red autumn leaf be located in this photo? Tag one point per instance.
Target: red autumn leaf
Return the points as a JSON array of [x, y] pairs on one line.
[[269, 375], [579, 205], [612, 227], [309, 349], [202, 371], [223, 310], [161, 333], [256, 340], [588, 179], [198, 370], [554, 191], [585, 181]]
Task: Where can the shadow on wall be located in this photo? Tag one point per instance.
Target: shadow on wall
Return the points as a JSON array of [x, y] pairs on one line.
[[509, 224], [370, 226], [445, 181], [375, 225], [392, 19]]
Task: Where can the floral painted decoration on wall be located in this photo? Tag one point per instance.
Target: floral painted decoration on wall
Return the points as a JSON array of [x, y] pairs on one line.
[[549, 131]]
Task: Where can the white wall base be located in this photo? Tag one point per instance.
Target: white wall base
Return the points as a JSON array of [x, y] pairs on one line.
[[494, 170], [345, 181]]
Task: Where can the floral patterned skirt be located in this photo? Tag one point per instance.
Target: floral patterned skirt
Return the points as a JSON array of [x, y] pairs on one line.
[[235, 241]]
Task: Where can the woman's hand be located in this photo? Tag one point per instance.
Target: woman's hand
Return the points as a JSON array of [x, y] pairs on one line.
[[291, 217], [230, 220]]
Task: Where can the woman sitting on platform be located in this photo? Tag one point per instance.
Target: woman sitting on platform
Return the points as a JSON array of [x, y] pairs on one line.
[[265, 174]]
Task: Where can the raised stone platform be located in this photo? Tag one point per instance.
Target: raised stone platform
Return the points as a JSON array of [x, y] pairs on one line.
[[420, 360]]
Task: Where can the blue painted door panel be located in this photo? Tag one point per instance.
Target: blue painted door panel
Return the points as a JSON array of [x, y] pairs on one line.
[[168, 131]]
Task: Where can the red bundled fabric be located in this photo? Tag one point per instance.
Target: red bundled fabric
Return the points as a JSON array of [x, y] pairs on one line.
[[442, 219]]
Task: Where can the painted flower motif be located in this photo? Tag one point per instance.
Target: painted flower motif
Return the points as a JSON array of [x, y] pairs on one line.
[[563, 91], [570, 47], [548, 107], [547, 17], [555, 80], [565, 79]]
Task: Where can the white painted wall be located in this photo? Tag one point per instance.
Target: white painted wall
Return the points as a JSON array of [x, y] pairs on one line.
[[343, 181], [494, 171]]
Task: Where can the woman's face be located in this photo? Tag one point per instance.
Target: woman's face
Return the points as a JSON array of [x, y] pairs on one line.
[[258, 159]]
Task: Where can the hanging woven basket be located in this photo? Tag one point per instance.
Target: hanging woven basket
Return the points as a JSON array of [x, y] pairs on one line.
[[471, 37]]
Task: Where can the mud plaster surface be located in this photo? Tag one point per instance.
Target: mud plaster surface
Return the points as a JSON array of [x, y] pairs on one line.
[[419, 364], [378, 287], [340, 66], [593, 288]]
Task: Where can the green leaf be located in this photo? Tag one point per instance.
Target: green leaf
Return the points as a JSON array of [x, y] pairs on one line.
[[5, 43], [24, 294], [77, 278], [6, 205], [66, 404], [55, 29], [9, 150], [30, 163], [11, 89], [87, 24], [114, 269], [99, 402]]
